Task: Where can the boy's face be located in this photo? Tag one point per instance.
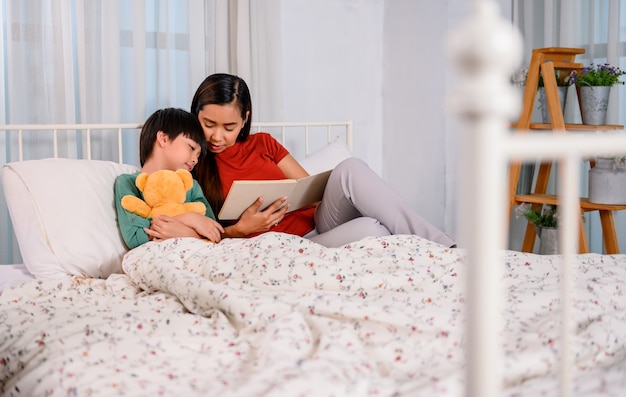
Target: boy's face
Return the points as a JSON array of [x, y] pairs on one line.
[[180, 153], [221, 125]]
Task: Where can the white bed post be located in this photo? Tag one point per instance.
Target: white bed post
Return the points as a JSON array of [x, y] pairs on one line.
[[485, 49]]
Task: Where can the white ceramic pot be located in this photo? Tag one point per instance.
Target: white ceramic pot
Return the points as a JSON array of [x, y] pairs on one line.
[[607, 184]]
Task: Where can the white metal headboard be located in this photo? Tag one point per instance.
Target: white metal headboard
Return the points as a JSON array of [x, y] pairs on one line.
[[54, 129], [331, 130], [307, 128], [81, 140]]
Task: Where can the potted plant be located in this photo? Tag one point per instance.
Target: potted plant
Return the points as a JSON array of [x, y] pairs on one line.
[[545, 221], [563, 81], [594, 86]]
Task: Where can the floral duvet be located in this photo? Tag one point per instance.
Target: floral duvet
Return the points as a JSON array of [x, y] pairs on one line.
[[278, 315]]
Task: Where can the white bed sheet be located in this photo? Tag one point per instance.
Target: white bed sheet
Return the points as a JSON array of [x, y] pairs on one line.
[[278, 315], [15, 274]]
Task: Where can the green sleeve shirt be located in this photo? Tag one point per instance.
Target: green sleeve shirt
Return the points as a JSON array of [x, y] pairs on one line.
[[132, 225]]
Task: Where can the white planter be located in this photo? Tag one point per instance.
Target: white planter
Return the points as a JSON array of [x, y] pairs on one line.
[[607, 185], [548, 240]]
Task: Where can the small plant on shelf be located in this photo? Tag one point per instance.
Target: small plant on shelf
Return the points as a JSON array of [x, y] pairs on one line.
[[562, 79], [545, 216], [595, 75]]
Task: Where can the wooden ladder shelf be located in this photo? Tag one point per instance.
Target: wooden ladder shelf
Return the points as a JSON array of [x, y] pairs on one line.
[[545, 62]]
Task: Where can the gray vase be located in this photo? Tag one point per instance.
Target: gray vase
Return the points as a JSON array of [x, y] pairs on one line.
[[594, 102], [543, 103], [548, 240]]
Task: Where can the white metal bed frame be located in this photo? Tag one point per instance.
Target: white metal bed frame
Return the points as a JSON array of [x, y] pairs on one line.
[[305, 127], [485, 50]]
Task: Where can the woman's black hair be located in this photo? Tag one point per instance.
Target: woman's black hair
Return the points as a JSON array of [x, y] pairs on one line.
[[220, 89], [224, 89]]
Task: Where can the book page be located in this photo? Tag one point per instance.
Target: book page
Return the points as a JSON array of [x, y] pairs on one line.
[[308, 190], [301, 192], [243, 193]]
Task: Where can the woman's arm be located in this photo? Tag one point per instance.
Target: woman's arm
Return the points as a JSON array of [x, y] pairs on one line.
[[291, 168], [254, 221], [196, 225]]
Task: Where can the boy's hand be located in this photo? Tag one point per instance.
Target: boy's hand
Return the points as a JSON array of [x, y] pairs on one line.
[[210, 229], [202, 226], [163, 227]]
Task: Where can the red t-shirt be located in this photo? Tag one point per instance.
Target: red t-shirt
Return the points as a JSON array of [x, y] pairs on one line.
[[256, 159]]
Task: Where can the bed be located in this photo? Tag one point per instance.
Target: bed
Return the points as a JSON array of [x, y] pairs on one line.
[[278, 315], [275, 314]]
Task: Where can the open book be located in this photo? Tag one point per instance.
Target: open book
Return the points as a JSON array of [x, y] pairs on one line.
[[300, 192]]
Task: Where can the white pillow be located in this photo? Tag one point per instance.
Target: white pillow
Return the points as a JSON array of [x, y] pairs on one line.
[[326, 158], [64, 216]]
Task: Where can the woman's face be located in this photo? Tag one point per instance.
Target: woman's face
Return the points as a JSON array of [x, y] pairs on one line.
[[221, 124]]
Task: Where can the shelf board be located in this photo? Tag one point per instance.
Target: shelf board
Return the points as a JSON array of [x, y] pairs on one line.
[[574, 127], [552, 199]]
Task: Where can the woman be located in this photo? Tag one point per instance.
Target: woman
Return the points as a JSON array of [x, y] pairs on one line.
[[356, 203]]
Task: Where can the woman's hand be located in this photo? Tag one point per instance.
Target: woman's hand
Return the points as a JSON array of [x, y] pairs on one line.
[[253, 221]]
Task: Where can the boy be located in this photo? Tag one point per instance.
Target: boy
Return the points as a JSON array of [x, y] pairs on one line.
[[170, 139]]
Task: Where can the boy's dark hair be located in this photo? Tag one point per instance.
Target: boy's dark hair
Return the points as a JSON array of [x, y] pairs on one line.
[[173, 122]]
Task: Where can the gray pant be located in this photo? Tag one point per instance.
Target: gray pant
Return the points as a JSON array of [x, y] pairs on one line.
[[357, 203]]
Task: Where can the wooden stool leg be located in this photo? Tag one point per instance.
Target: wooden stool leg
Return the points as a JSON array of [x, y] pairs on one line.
[[529, 238], [608, 232], [583, 247]]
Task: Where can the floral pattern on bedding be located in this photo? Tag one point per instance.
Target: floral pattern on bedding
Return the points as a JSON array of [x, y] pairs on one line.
[[278, 315]]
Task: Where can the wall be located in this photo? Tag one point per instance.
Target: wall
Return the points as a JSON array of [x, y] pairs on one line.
[[414, 105], [418, 82], [332, 67], [384, 65]]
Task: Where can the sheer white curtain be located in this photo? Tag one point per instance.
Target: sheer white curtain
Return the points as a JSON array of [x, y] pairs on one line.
[[598, 26], [74, 61], [252, 50]]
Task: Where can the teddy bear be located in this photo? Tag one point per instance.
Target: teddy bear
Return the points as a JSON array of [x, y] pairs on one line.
[[164, 192]]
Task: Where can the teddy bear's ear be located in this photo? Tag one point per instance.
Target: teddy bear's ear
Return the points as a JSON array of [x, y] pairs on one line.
[[186, 177], [141, 180]]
